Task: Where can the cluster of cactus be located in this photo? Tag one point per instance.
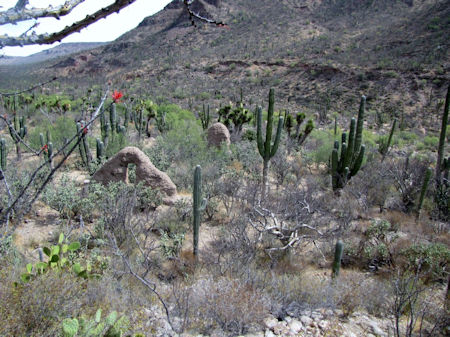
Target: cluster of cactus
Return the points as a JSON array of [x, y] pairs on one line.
[[56, 260], [338, 251], [111, 326], [115, 126], [300, 136], [104, 128], [161, 122], [140, 122], [83, 145], [266, 149], [237, 115], [204, 117], [385, 143], [18, 130], [47, 147], [3, 154], [352, 152], [199, 205]]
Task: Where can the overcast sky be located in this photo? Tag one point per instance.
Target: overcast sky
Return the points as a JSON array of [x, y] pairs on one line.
[[104, 30]]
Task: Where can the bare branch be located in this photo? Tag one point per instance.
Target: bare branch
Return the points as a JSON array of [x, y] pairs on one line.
[[58, 36], [197, 16], [29, 89], [20, 13]]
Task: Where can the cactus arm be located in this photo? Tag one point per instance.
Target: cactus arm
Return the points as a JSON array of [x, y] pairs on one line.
[[334, 168], [358, 161], [351, 144], [259, 131], [198, 206], [360, 125], [267, 144], [277, 137]]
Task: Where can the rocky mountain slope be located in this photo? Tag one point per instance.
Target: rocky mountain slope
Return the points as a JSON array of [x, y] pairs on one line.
[[320, 55]]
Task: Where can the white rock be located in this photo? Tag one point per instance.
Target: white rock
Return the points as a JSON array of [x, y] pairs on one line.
[[281, 329], [269, 333], [270, 322], [295, 326], [323, 325], [307, 321]]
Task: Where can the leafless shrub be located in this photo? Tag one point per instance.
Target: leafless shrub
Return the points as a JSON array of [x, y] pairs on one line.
[[228, 303]]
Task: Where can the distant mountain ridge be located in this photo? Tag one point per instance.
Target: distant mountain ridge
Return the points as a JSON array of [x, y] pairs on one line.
[[64, 49]]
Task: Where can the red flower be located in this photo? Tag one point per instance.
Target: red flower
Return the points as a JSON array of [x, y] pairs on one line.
[[116, 96], [45, 148], [85, 131]]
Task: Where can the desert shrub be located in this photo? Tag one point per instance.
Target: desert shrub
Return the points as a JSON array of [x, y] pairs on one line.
[[431, 260], [35, 308], [66, 198], [229, 304], [175, 115]]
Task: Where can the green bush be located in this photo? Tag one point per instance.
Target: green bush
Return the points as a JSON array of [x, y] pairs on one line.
[[432, 259]]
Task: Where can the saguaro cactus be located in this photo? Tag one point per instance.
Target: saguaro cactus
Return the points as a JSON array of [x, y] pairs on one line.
[[204, 117], [338, 251], [83, 145], [100, 150], [266, 149], [352, 152], [199, 205], [47, 147]]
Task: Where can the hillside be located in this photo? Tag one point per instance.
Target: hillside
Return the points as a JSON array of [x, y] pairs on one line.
[[319, 55]]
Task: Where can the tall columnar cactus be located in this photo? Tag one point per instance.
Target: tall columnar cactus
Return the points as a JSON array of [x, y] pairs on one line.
[[386, 143], [199, 205], [423, 190], [113, 119], [349, 162], [338, 251], [204, 117], [440, 165], [3, 154], [266, 149], [100, 150], [18, 130]]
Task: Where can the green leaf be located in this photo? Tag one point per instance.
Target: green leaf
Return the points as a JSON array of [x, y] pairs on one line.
[[76, 268], [41, 266], [63, 261], [29, 268], [55, 250], [74, 246], [65, 248], [70, 327], [53, 265], [98, 315], [111, 319], [55, 258], [61, 238], [47, 251]]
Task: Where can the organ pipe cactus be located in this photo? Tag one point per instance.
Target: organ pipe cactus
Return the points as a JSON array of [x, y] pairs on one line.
[[386, 143], [349, 162], [3, 154], [113, 119], [199, 205], [104, 128], [18, 130], [266, 149], [338, 251]]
